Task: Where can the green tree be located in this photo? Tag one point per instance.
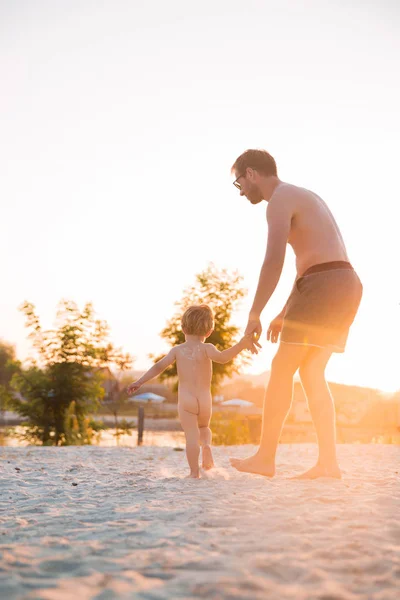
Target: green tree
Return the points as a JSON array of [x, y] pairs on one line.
[[222, 291], [63, 385], [9, 366], [117, 398]]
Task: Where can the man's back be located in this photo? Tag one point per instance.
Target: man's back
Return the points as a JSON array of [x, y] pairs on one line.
[[314, 234]]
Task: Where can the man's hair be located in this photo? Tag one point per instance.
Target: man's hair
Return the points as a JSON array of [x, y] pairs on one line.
[[198, 320], [259, 160]]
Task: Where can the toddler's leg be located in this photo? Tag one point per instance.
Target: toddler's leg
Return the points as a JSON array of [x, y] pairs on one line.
[[205, 441], [191, 429], [205, 434]]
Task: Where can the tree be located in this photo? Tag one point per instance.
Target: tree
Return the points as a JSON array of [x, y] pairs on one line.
[[64, 384], [9, 366], [117, 398], [222, 291]]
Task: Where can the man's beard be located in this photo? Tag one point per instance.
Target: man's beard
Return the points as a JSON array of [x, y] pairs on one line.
[[254, 195]]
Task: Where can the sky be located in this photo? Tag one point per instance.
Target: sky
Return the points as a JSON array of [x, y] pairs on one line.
[[119, 124]]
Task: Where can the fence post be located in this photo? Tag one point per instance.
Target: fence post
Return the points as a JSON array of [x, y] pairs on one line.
[[140, 425]]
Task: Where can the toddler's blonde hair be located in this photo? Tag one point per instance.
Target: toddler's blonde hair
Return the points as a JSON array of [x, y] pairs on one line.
[[198, 320]]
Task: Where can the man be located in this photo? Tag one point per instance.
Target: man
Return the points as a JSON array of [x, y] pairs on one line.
[[316, 318]]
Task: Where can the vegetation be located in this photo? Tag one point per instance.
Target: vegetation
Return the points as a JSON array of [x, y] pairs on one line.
[[229, 430], [64, 383], [9, 366], [117, 402], [222, 291]]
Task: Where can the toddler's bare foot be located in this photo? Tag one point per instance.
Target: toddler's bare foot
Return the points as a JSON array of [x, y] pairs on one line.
[[208, 462], [193, 475]]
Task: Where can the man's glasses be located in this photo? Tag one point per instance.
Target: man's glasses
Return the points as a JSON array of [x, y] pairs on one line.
[[236, 182]]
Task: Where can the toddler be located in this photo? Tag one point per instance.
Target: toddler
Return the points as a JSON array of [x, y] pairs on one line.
[[194, 366]]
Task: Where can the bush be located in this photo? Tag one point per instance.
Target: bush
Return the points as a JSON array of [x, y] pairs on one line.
[[230, 430]]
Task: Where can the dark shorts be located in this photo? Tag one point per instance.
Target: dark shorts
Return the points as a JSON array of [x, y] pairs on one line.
[[322, 306]]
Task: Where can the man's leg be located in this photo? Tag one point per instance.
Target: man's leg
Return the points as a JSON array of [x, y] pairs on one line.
[[322, 409], [278, 398]]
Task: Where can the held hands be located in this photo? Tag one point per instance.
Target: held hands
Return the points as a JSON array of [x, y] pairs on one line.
[[252, 334], [133, 387], [250, 343], [254, 328]]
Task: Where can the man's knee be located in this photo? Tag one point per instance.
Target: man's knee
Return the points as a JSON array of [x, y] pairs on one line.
[[313, 365], [279, 365], [311, 376], [306, 374], [287, 359]]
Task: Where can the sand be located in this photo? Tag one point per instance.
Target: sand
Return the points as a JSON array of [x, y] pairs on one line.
[[133, 527]]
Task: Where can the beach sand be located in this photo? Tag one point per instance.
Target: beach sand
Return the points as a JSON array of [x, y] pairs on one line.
[[133, 527]]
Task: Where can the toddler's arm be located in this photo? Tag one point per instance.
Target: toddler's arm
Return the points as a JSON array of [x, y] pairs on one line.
[[226, 355], [155, 370]]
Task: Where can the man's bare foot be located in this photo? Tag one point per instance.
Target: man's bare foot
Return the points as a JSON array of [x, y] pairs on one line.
[[254, 464], [208, 462], [320, 471]]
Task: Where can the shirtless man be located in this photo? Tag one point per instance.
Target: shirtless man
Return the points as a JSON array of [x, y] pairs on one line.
[[316, 318], [194, 366]]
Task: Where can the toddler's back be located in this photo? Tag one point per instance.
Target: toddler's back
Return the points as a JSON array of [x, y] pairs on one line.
[[193, 366]]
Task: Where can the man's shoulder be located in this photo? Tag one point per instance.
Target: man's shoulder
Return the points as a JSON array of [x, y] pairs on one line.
[[293, 196], [284, 198], [289, 190]]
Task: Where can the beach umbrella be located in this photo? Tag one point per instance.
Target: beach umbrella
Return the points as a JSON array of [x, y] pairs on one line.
[[236, 402], [148, 397]]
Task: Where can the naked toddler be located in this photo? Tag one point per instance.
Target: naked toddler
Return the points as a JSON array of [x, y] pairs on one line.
[[194, 366]]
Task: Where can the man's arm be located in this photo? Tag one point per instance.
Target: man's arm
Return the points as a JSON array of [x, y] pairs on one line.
[[279, 217]]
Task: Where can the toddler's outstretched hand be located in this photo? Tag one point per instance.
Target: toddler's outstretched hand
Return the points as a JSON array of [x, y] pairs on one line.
[[133, 387]]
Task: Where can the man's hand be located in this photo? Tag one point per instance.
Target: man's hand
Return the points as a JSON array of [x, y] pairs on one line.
[[274, 329], [254, 328], [133, 387]]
